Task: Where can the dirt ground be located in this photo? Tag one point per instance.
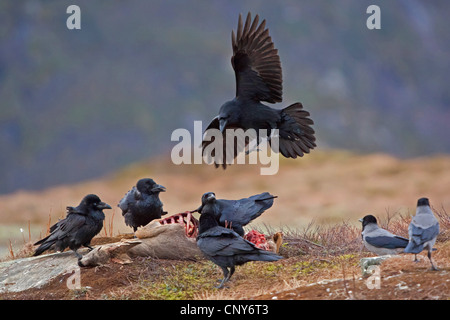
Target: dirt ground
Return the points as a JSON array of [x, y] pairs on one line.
[[407, 283], [399, 279]]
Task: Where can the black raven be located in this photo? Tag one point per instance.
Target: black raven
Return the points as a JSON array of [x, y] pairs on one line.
[[258, 74], [223, 246], [237, 213], [78, 228], [141, 204]]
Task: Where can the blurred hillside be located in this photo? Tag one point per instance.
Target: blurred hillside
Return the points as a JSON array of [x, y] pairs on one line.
[[75, 105], [327, 187]]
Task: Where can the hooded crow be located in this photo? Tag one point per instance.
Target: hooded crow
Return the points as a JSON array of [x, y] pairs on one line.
[[258, 78], [236, 214], [423, 230], [378, 240], [77, 229], [223, 246], [141, 204]]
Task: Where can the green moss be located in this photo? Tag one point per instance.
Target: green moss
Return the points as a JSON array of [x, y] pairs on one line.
[[306, 267], [180, 282]]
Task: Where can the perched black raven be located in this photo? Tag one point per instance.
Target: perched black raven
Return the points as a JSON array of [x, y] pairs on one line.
[[78, 228], [236, 214], [258, 74], [141, 204], [223, 246]]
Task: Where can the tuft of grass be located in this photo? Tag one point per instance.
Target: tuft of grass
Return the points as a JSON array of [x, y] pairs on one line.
[[311, 254], [110, 225], [396, 222], [27, 248], [11, 251], [318, 239], [178, 281]]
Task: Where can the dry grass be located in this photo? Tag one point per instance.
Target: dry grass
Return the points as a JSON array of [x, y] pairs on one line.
[[313, 256], [319, 201], [325, 186]]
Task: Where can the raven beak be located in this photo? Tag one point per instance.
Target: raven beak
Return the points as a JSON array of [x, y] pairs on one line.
[[159, 188], [360, 220], [103, 205], [211, 196], [222, 125]]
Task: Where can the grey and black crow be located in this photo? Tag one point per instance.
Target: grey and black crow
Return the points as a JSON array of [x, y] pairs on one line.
[[379, 240], [236, 214], [423, 230], [142, 204], [258, 78], [223, 246], [78, 228]]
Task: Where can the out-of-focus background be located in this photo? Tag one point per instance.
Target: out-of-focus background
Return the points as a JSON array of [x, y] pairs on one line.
[[92, 110]]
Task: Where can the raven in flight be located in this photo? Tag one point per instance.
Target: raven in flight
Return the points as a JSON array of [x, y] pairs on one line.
[[258, 76], [142, 204], [237, 213], [77, 229], [223, 246]]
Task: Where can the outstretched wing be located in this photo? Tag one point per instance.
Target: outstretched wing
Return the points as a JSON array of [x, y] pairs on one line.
[[256, 62], [243, 211]]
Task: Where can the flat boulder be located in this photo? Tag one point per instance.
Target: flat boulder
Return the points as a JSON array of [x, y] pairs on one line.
[[35, 272]]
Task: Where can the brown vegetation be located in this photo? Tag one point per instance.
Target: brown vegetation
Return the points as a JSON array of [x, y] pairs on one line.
[[319, 263], [320, 199], [325, 186]]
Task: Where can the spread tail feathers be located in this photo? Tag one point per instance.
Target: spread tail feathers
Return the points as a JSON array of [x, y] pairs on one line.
[[296, 132]]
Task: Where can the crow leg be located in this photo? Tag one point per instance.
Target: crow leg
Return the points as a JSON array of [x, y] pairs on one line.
[[225, 277], [415, 258], [232, 269], [433, 267], [79, 256]]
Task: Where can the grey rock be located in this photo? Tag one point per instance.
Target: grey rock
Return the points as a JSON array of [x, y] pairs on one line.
[[34, 272], [365, 263]]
